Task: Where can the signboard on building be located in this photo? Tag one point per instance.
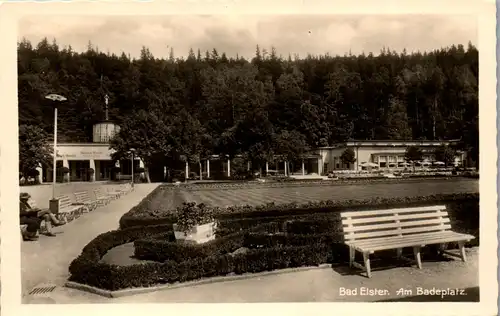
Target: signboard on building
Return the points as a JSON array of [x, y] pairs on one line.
[[83, 152]]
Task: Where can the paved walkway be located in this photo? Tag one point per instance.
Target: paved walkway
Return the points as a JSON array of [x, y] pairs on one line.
[[319, 285], [47, 260]]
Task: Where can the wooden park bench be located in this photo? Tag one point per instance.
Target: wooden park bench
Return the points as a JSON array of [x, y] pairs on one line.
[[416, 227], [83, 198], [113, 192], [102, 198], [126, 187], [69, 210]]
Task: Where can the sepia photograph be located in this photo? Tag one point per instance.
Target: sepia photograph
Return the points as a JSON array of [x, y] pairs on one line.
[[249, 158]]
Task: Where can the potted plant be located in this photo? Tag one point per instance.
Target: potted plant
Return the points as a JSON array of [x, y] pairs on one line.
[[195, 222]]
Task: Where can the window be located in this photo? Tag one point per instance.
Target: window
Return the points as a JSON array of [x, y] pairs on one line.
[[383, 164]]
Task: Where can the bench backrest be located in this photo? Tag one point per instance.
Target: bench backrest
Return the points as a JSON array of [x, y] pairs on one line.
[[99, 194], [82, 197], [64, 202], [394, 222]]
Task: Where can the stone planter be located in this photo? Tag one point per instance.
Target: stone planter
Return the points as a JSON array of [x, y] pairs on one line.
[[199, 233]]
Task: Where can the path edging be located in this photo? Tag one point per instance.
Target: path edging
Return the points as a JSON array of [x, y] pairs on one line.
[[218, 279]]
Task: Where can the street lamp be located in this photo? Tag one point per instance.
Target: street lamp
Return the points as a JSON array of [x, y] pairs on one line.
[[60, 98], [132, 150]]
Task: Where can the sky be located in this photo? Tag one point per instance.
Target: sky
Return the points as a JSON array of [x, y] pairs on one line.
[[289, 34]]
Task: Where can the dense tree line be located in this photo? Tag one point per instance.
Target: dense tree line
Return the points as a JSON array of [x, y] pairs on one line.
[[210, 103]]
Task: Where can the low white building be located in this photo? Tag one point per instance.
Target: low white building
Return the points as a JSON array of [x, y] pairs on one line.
[[384, 154]]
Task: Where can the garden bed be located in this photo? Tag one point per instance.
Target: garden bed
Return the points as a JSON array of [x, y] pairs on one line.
[[249, 240]]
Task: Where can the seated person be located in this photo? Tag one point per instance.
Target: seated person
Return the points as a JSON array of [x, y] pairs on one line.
[[33, 217]]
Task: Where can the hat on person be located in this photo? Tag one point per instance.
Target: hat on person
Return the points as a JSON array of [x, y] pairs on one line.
[[24, 196]]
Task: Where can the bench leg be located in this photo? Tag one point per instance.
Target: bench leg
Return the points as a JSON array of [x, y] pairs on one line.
[[416, 252], [462, 251], [366, 259], [352, 255]]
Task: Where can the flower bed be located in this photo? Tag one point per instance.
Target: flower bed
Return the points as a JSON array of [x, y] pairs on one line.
[[244, 244]]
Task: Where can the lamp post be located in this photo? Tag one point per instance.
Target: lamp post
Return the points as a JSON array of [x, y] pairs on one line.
[[132, 150], [55, 97]]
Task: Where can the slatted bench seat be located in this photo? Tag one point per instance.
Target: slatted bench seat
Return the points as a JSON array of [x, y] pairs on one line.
[[114, 192], [416, 227], [68, 210], [102, 198], [126, 188], [83, 198]]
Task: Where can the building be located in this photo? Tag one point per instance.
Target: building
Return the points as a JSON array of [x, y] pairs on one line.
[[79, 158], [380, 153]]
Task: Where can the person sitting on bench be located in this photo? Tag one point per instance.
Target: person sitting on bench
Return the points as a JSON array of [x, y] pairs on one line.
[[33, 217]]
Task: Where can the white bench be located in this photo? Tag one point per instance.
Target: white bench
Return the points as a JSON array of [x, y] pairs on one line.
[[83, 198], [113, 192], [416, 227], [102, 198], [68, 210], [126, 188]]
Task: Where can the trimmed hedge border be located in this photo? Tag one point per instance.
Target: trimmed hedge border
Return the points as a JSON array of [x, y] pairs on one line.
[[141, 215], [277, 242]]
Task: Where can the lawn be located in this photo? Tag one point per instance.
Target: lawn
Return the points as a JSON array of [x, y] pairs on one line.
[[261, 195]]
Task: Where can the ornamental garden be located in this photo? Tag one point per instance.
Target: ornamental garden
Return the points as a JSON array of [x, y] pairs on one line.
[[187, 233]]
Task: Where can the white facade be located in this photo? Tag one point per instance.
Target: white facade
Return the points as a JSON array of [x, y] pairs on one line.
[[383, 153]]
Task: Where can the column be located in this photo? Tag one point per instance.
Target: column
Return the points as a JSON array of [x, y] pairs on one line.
[[267, 168], [40, 174], [303, 168], [286, 167], [248, 165], [66, 176], [201, 170], [187, 170], [92, 166], [208, 168], [319, 166], [228, 167]]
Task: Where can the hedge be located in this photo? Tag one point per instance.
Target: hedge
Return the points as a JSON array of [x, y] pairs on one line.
[[141, 215], [272, 243]]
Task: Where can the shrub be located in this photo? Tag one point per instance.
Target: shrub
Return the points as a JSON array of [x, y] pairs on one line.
[[189, 215]]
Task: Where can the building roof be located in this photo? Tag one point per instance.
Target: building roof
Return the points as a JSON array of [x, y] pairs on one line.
[[389, 143]]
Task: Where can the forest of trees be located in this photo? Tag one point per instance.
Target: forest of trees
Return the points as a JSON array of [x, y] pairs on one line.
[[210, 103]]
